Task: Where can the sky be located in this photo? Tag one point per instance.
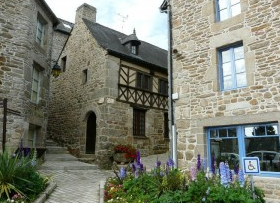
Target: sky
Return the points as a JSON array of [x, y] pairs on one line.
[[122, 15]]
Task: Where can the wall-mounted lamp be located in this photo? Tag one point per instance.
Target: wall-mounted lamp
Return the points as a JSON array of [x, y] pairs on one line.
[[56, 70]]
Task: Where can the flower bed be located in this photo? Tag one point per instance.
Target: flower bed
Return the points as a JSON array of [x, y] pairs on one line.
[[19, 180], [128, 150], [170, 185]]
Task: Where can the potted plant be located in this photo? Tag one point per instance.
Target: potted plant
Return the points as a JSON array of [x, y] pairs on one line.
[[124, 153]]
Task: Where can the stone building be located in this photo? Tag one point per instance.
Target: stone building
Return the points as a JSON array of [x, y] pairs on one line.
[[113, 89], [25, 69], [226, 72]]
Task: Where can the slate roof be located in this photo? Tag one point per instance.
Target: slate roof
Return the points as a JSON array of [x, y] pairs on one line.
[[111, 40], [64, 26]]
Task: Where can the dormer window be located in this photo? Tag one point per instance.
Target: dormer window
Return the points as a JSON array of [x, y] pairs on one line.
[[134, 49], [132, 43]]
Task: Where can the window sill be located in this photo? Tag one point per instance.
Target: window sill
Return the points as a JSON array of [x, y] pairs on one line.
[[140, 137], [221, 25]]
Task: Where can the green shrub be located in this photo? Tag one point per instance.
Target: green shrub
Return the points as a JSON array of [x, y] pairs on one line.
[[170, 185], [19, 180]]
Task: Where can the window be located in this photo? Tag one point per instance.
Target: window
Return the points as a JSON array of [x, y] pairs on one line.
[[63, 63], [35, 86], [85, 76], [32, 135], [166, 128], [163, 87], [139, 122], [232, 68], [133, 49], [143, 81], [227, 9], [39, 32], [234, 142]]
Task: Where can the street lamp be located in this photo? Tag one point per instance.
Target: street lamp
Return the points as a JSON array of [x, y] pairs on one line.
[[56, 70]]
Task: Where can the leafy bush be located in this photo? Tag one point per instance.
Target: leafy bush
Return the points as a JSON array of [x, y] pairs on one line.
[[169, 185], [19, 180]]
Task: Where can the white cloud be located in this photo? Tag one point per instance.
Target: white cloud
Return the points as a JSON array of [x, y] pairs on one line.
[[143, 15]]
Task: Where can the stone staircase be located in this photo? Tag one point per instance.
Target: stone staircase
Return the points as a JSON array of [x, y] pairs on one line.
[[58, 158]]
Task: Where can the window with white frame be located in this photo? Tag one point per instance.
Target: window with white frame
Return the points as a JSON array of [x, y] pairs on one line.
[[40, 26], [231, 143], [227, 9], [232, 67], [35, 86]]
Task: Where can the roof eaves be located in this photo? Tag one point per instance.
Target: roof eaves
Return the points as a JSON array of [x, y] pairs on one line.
[[137, 60]]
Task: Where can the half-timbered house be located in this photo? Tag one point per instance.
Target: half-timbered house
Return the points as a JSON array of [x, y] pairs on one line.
[[113, 89]]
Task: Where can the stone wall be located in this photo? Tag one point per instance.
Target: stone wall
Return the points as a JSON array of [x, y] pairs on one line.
[[90, 85], [19, 52], [201, 103]]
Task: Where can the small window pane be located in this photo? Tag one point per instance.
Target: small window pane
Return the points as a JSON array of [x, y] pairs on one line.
[[226, 56], [235, 10], [233, 2], [227, 82], [241, 80], [35, 85], [249, 131], [223, 4], [226, 69], [225, 150], [266, 148], [232, 132], [238, 53], [272, 130], [223, 133], [213, 133], [240, 66], [223, 15]]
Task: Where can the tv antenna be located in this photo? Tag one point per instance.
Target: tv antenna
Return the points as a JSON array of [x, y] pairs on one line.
[[124, 18]]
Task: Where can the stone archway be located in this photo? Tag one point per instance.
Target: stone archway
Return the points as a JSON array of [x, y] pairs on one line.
[[91, 134]]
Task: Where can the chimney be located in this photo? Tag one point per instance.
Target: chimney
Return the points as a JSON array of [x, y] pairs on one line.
[[87, 12]]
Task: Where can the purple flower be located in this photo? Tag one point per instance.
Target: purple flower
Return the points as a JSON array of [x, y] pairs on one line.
[[193, 173], [198, 164], [138, 157], [133, 167], [170, 163], [235, 169], [241, 177], [213, 165], [122, 173], [158, 164], [228, 172], [223, 174]]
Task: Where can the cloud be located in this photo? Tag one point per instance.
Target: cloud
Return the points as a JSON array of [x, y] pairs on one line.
[[143, 15]]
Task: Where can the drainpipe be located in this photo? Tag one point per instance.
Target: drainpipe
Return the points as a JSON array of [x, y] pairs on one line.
[[166, 7]]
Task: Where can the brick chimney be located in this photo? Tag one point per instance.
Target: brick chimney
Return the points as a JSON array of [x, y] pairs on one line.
[[87, 12]]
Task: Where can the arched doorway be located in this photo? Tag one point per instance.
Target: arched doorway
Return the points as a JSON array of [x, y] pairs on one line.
[[91, 134]]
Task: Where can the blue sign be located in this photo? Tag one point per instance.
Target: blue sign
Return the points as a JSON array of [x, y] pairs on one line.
[[251, 165]]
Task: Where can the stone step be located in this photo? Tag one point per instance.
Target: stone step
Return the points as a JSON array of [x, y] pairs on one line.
[[51, 143], [56, 150], [60, 157], [269, 200], [67, 165]]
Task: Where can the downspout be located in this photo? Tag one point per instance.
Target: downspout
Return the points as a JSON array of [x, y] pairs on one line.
[[170, 79]]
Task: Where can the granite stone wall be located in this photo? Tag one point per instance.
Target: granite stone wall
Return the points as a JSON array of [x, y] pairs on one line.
[[18, 53], [197, 36]]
